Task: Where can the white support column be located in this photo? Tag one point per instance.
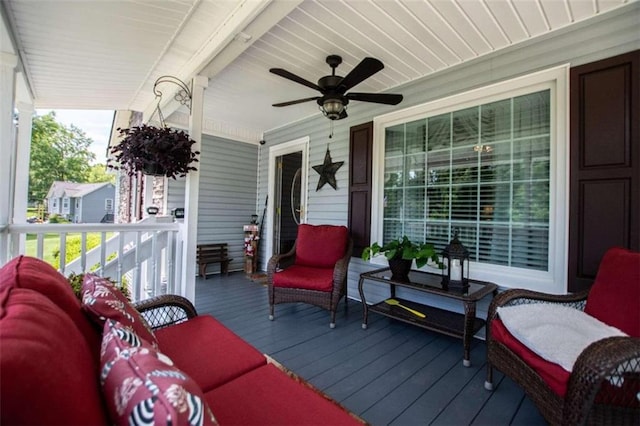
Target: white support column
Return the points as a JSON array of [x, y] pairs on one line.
[[187, 284], [8, 64], [23, 152]]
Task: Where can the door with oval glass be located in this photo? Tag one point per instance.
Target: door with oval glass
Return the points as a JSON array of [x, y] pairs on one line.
[[288, 206]]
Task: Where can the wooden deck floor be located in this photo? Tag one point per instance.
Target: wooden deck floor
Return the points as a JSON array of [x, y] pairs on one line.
[[390, 374]]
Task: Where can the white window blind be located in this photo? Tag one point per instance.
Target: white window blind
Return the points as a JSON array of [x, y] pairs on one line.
[[483, 170]]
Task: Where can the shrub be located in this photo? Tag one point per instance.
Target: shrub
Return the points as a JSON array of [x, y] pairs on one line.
[[75, 280]]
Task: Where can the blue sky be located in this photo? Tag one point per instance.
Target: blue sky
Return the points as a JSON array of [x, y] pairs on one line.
[[95, 124]]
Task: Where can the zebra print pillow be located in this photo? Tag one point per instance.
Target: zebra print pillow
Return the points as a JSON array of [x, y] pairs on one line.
[[142, 386]]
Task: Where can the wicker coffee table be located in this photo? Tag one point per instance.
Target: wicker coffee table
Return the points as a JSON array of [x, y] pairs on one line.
[[450, 323]]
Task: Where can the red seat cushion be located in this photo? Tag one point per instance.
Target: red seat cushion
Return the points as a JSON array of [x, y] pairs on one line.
[[320, 245], [267, 396], [208, 351], [47, 372], [305, 277], [614, 296], [553, 374], [37, 275]]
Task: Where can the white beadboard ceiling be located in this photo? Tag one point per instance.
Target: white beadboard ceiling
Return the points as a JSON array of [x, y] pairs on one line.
[[106, 54]]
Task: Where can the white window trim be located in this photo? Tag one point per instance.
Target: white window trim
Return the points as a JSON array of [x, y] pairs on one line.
[[557, 80]]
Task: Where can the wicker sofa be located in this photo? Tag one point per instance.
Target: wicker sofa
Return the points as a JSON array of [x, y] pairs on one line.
[[61, 363], [603, 385]]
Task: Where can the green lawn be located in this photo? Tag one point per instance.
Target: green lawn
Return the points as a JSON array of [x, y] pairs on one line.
[[52, 245]]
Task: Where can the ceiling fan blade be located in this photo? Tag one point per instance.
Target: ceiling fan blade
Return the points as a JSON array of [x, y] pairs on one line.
[[365, 69], [379, 98], [297, 101], [343, 114], [290, 76]]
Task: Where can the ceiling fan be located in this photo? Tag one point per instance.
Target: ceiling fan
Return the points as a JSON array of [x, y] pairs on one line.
[[333, 87]]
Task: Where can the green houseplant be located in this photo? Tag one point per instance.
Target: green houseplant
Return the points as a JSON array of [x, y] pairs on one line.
[[159, 151], [401, 253]]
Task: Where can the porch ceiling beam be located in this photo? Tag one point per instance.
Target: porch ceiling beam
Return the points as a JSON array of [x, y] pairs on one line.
[[248, 23]]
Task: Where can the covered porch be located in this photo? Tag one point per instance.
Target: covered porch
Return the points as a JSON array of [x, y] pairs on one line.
[[392, 373], [66, 54]]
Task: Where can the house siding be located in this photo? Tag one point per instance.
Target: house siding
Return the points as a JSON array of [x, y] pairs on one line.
[[93, 204], [612, 34], [228, 175]]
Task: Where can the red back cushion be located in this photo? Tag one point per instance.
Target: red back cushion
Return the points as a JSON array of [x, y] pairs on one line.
[[48, 374], [615, 295], [320, 245], [38, 275]]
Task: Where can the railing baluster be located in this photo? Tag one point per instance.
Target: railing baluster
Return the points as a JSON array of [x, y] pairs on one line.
[[40, 246], [137, 285], [62, 264], [103, 252], [83, 251], [120, 258]]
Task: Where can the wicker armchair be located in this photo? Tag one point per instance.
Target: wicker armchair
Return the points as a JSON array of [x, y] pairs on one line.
[[603, 386], [314, 271]]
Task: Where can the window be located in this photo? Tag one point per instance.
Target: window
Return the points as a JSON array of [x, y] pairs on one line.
[[108, 204], [482, 165], [65, 205]]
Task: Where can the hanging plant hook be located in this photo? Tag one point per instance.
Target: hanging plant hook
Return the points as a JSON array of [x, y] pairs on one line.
[[182, 96]]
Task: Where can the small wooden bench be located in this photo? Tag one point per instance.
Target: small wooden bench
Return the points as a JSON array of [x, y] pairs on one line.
[[213, 253]]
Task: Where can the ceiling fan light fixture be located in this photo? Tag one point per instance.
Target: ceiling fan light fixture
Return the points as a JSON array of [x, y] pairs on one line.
[[332, 108]]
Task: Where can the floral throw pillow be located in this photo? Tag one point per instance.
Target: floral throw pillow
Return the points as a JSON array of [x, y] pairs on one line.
[[141, 386], [102, 301]]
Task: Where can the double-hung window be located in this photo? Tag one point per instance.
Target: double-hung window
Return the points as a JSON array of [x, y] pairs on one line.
[[484, 165]]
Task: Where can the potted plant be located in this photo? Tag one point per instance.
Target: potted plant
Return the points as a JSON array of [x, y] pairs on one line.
[[158, 151], [401, 253]]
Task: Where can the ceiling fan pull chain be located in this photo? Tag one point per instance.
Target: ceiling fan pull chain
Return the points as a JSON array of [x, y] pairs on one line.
[[330, 131]]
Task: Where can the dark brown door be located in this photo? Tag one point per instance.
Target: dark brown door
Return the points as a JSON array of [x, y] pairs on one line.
[[605, 163], [360, 159]]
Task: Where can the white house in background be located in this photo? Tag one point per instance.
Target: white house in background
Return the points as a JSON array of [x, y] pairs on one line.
[[82, 202]]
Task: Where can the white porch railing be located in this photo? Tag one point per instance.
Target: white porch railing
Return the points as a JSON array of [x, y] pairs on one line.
[[146, 256]]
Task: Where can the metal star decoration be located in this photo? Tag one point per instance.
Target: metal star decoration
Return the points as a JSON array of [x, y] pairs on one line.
[[327, 171]]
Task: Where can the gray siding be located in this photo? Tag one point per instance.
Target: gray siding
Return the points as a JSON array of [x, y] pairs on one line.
[[614, 33], [228, 175], [93, 205]]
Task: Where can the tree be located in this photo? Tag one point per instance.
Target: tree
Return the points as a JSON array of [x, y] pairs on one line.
[[57, 153], [98, 173]]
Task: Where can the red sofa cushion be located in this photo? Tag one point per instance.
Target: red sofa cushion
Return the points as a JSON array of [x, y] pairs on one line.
[[614, 296], [102, 300], [320, 245], [48, 374], [142, 386], [267, 396], [305, 277], [553, 374], [208, 351], [35, 274]]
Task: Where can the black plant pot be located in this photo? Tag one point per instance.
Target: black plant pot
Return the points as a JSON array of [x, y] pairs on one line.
[[400, 269], [153, 169]]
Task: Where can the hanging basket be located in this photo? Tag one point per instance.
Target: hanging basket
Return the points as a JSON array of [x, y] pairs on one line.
[[157, 151], [153, 169]]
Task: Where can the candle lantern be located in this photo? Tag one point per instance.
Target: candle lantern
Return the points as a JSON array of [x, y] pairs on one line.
[[455, 257]]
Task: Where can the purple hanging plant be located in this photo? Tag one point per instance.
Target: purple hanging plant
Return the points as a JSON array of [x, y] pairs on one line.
[[154, 150]]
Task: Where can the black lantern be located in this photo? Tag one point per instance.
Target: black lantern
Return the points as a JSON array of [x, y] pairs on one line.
[[455, 257]]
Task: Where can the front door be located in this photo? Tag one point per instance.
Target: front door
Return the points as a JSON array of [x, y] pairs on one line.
[[287, 201], [287, 185]]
